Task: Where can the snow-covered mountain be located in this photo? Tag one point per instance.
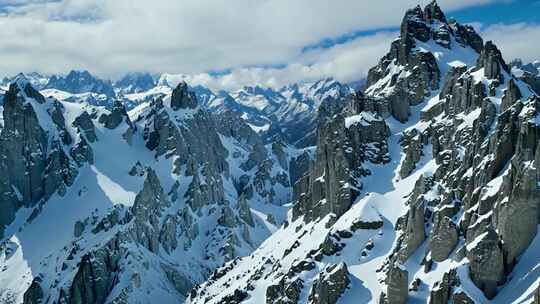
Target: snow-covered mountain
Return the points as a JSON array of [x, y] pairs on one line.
[[37, 80], [107, 205], [135, 83], [81, 82], [284, 113], [289, 113], [424, 190]]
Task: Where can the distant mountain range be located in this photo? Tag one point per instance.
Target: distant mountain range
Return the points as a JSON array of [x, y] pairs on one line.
[[271, 112]]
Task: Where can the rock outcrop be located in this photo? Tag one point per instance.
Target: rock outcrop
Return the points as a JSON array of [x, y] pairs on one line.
[[182, 98], [444, 238], [330, 285], [397, 282], [486, 262]]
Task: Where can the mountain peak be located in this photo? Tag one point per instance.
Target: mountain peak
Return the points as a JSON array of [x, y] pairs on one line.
[[77, 82], [492, 61], [22, 85], [135, 82], [21, 81], [430, 13], [433, 12], [182, 98]]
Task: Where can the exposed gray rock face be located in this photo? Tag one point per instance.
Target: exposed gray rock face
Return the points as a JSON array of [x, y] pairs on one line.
[[33, 160], [298, 166], [444, 238], [412, 144], [511, 95], [23, 136], [277, 149], [466, 35], [491, 60], [330, 285], [244, 211], [96, 276], [257, 155], [328, 180], [116, 117], [286, 291], [60, 172], [486, 262], [181, 283], [34, 293], [182, 98], [227, 218], [85, 126], [147, 209], [196, 135], [461, 297], [82, 152], [517, 218], [414, 232], [343, 146], [397, 282], [57, 116], [441, 292], [232, 125], [420, 73], [78, 228]]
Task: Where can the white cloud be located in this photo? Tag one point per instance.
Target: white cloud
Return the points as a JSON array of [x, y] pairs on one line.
[[346, 62], [520, 40], [110, 37]]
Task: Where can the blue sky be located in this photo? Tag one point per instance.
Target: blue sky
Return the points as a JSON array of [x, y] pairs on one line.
[[505, 12], [227, 44]]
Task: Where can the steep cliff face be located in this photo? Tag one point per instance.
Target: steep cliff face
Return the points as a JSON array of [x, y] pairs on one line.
[[111, 206], [34, 141], [426, 188]]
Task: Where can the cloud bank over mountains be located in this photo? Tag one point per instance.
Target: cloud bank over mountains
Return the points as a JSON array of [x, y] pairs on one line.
[[260, 42]]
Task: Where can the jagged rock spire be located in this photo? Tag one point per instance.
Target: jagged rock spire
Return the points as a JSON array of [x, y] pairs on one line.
[[151, 197], [182, 98], [413, 26], [21, 84], [117, 115], [433, 12], [492, 61]]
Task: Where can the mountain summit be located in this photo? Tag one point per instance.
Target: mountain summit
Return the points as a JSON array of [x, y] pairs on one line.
[[81, 82]]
